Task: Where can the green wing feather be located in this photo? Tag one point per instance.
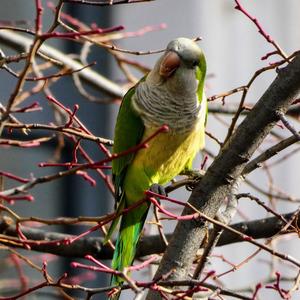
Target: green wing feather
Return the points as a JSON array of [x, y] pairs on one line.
[[128, 133], [200, 75], [201, 94]]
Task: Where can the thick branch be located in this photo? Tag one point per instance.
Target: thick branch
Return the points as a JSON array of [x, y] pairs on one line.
[[256, 162], [212, 190], [292, 111], [257, 229]]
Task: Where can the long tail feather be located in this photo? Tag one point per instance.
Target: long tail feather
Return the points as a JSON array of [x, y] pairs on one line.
[[130, 231], [114, 223]]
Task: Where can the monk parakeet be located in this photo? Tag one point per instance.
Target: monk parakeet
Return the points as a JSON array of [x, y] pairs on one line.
[[171, 94]]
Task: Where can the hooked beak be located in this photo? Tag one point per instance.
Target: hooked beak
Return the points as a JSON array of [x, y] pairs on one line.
[[169, 64]]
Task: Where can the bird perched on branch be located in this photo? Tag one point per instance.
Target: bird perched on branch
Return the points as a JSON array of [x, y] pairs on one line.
[[171, 94]]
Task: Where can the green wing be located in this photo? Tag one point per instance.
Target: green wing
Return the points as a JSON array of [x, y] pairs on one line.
[[200, 75], [128, 133]]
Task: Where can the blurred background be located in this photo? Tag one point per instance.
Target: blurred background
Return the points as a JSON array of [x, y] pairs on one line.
[[233, 49]]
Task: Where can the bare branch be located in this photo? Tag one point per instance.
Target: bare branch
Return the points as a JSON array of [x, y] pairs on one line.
[[18, 41], [257, 229]]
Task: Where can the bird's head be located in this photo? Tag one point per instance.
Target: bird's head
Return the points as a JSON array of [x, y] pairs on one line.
[[184, 54]]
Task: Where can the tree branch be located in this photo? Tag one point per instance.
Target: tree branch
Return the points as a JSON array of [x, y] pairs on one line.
[[257, 229], [18, 41], [228, 166], [270, 152], [293, 111]]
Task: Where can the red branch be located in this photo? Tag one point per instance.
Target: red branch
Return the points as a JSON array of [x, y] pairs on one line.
[[108, 219], [105, 3], [22, 236], [47, 282], [25, 144], [32, 107], [74, 152], [79, 123], [162, 197], [76, 35], [268, 38], [87, 177], [14, 177], [98, 168], [103, 268], [171, 215], [257, 288], [74, 21], [71, 164], [99, 164], [284, 294], [72, 115], [97, 262], [144, 264], [19, 268], [39, 13], [255, 21], [12, 199], [204, 162], [266, 56]]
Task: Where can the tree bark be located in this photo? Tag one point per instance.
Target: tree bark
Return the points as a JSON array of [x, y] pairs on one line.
[[227, 167]]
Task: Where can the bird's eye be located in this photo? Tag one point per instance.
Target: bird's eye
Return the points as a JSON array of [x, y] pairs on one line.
[[195, 63]]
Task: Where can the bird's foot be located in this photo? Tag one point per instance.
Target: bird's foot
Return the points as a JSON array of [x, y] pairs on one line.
[[158, 189]]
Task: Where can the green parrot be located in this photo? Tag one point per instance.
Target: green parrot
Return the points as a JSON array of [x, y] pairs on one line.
[[171, 94]]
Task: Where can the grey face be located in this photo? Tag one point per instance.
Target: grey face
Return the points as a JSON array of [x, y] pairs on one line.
[[187, 50]]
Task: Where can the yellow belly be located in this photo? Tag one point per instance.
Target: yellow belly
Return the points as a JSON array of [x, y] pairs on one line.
[[167, 155]]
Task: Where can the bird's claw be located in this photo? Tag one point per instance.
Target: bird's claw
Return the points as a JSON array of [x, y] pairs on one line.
[[158, 189]]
